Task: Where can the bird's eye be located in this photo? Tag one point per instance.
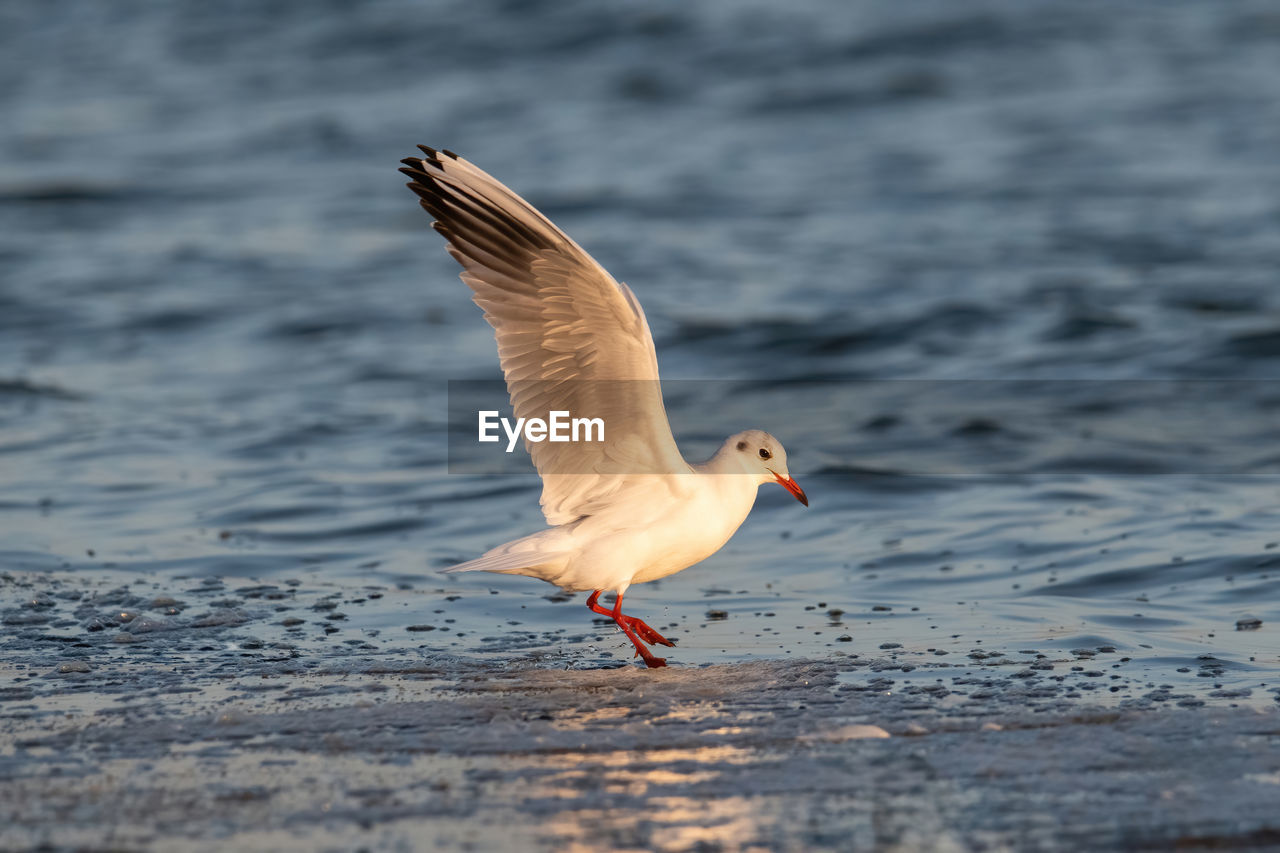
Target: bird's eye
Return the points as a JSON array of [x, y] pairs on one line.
[[764, 454]]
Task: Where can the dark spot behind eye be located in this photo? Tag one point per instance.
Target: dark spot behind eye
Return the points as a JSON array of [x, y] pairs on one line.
[[742, 445], [764, 454]]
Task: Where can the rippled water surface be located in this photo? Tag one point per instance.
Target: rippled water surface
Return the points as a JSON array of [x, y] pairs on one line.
[[226, 329]]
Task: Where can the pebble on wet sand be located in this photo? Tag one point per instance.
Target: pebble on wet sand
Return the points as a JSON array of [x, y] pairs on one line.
[[844, 733]]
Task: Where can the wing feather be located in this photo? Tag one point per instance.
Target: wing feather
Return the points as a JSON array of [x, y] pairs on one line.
[[570, 337]]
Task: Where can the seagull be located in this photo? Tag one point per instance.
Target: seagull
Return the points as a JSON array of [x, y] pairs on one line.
[[623, 510]]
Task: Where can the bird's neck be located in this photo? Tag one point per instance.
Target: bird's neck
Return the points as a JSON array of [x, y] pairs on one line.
[[722, 463], [727, 461]]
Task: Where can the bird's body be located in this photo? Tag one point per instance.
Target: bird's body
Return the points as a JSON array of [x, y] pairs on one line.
[[668, 524], [570, 338]]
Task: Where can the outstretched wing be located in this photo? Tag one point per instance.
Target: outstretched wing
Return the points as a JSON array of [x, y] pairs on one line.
[[570, 338]]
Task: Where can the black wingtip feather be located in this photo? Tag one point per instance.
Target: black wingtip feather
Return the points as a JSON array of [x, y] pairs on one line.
[[418, 175], [427, 193], [433, 207], [460, 214], [433, 156], [446, 152]]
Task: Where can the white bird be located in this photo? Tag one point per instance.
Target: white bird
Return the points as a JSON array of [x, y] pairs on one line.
[[621, 511]]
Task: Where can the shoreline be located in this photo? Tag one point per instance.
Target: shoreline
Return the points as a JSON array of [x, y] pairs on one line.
[[221, 733]]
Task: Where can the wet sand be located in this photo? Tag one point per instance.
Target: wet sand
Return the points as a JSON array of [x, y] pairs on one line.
[[197, 715]]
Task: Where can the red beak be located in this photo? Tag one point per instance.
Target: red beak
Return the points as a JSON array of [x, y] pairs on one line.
[[793, 487]]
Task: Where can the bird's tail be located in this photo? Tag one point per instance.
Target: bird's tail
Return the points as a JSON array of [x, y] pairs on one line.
[[509, 564], [528, 556]]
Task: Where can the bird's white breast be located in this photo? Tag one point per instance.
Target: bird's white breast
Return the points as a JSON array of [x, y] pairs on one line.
[[632, 546]]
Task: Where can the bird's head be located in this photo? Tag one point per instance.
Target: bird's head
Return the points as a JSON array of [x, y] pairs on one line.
[[760, 454]]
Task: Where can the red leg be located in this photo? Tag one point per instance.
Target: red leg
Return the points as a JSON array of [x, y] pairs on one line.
[[626, 623], [630, 626], [596, 608], [648, 634], [644, 631]]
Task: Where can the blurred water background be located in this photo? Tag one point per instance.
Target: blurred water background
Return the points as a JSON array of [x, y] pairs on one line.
[[226, 328]]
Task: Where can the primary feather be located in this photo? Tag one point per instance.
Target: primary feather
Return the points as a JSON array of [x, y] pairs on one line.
[[570, 337]]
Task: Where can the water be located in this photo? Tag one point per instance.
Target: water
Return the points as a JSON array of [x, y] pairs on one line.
[[226, 331]]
